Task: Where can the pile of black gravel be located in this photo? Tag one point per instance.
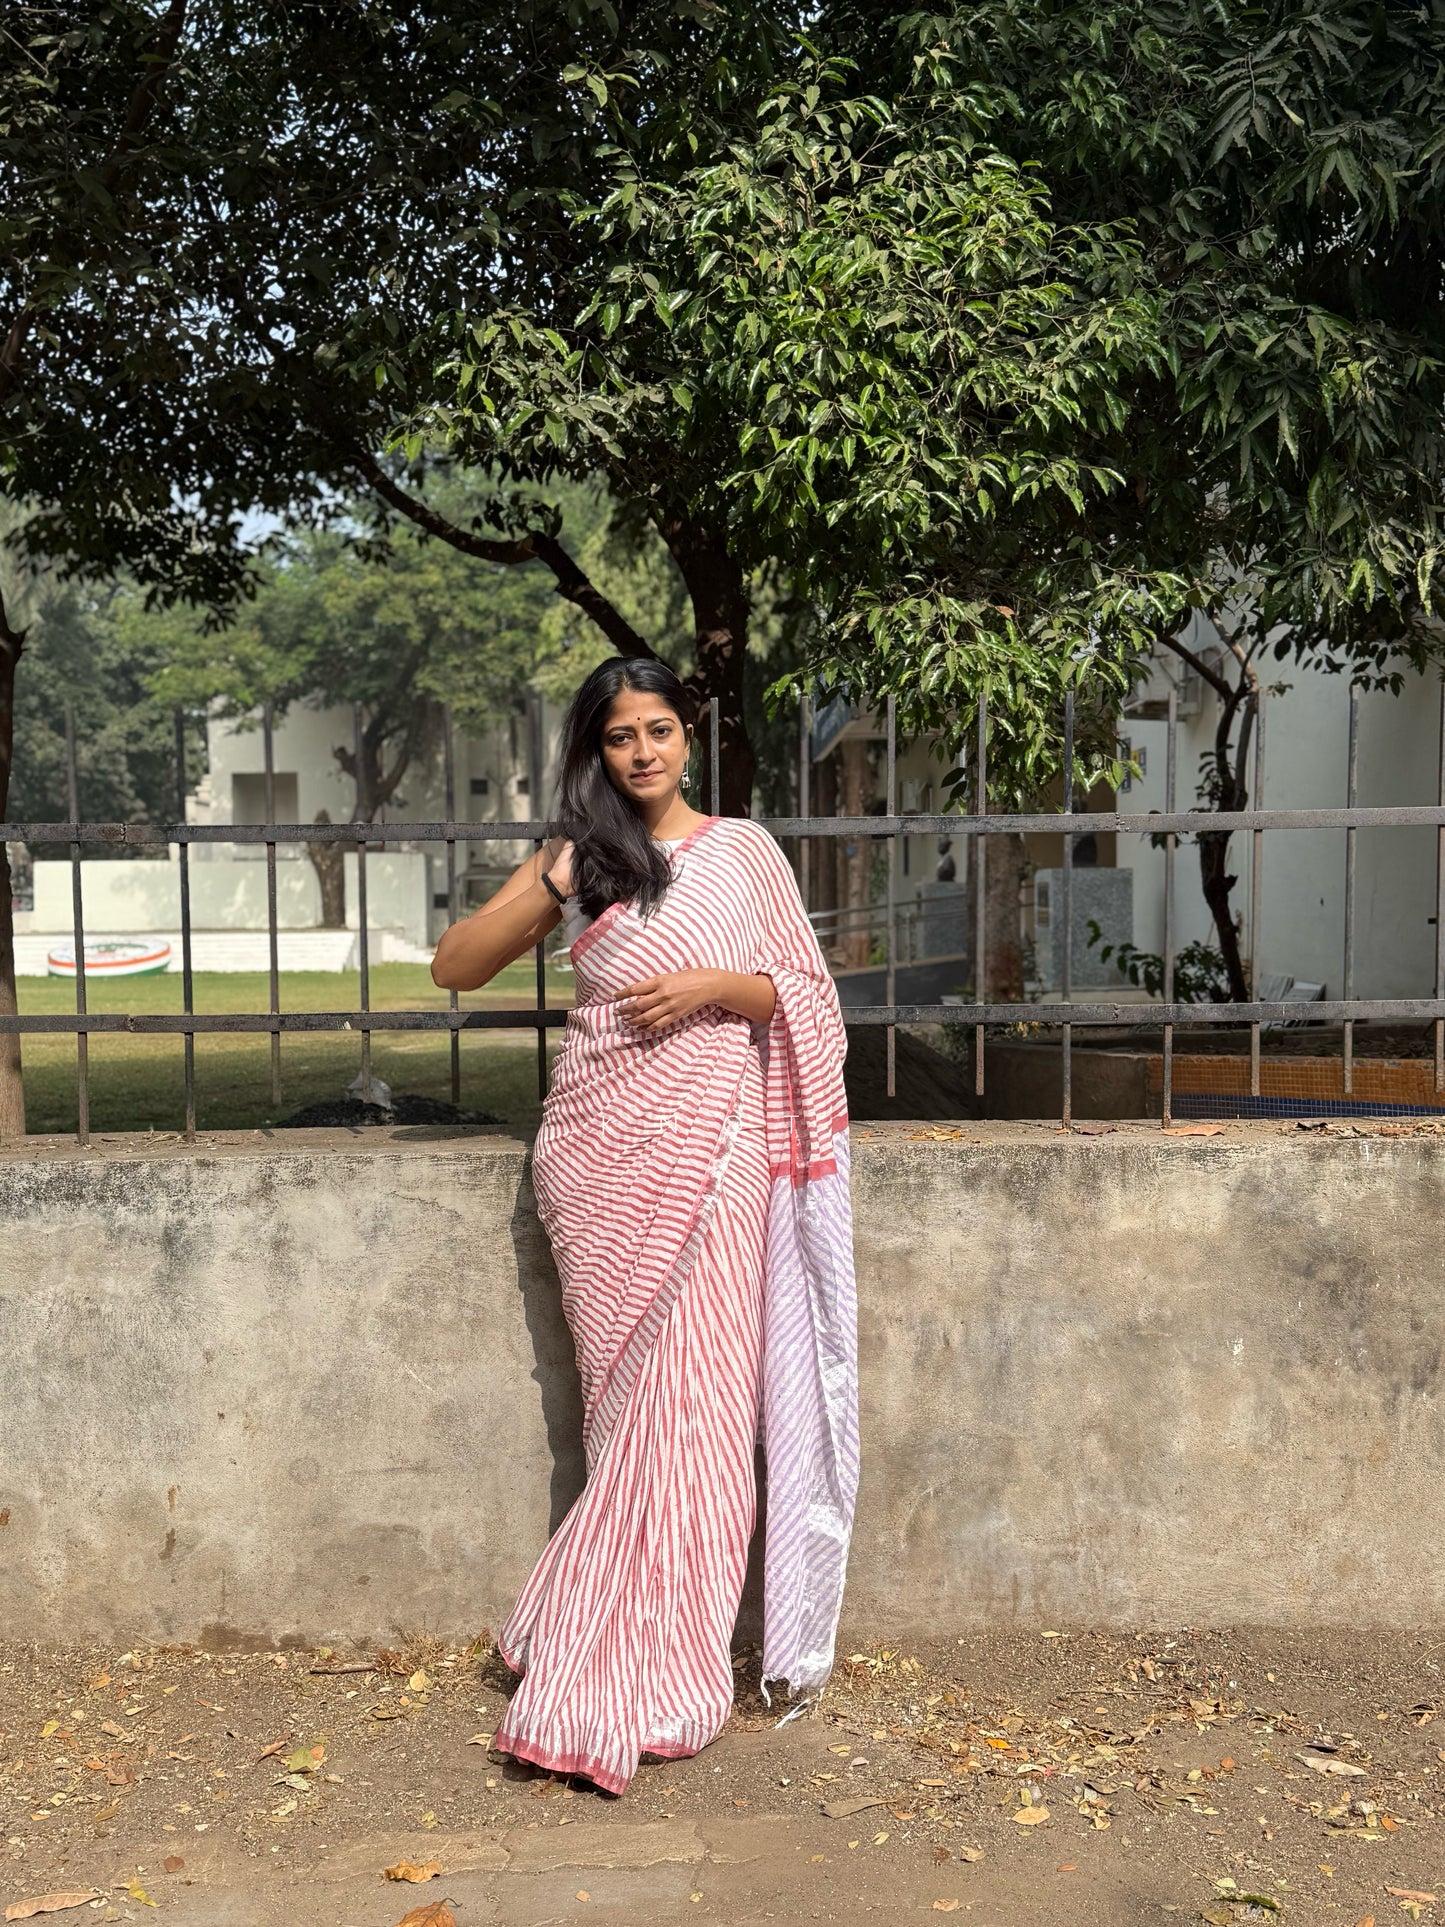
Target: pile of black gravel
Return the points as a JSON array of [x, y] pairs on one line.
[[348, 1112]]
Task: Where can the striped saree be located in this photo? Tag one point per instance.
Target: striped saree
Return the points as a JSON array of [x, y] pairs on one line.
[[694, 1184]]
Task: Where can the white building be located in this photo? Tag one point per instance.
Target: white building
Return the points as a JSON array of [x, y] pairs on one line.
[[1302, 933], [406, 879]]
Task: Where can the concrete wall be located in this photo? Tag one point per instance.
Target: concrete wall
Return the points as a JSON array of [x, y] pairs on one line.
[[304, 1387]]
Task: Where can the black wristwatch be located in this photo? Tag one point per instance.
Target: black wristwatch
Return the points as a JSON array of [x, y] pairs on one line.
[[553, 888]]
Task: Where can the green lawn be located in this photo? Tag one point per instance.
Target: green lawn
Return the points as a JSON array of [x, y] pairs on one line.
[[137, 1083]]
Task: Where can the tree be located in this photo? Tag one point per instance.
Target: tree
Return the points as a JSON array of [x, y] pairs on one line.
[[393, 632], [1281, 456], [831, 349], [207, 207]]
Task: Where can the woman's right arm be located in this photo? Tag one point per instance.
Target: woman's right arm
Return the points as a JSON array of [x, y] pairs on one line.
[[507, 926]]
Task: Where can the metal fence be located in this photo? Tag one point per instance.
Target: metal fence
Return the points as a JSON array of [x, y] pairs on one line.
[[1165, 1015]]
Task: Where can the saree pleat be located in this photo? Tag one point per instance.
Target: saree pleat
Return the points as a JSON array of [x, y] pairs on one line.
[[694, 1187], [626, 1623]]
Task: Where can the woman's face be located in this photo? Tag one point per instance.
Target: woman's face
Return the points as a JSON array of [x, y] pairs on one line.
[[644, 747]]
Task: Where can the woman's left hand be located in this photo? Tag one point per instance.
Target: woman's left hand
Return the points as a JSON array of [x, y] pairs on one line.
[[656, 1002]]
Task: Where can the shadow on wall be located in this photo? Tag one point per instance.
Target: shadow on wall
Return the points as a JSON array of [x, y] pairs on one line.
[[555, 1376]]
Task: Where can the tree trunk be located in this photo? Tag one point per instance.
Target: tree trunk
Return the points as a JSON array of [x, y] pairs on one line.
[[1228, 791], [1232, 793], [329, 862], [12, 1088], [720, 611], [1217, 884], [1003, 963]]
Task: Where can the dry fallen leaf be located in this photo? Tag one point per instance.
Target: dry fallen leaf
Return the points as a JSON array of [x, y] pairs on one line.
[[1323, 1764], [481, 1739], [49, 1904], [409, 1870], [1410, 1893], [945, 1906], [173, 1862], [434, 1913], [1031, 1816], [1192, 1130], [138, 1893], [970, 1853]]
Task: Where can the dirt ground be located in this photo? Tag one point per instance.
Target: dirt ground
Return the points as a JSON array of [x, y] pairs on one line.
[[1016, 1780]]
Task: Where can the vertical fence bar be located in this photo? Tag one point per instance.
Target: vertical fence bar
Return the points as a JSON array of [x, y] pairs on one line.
[[890, 955], [980, 893], [1256, 892], [268, 742], [1067, 972], [188, 980], [450, 805], [714, 766], [805, 794], [77, 918], [363, 950], [1171, 747], [534, 786], [1351, 798], [1440, 905]]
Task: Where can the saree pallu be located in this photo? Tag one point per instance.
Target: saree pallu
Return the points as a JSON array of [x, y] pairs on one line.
[[694, 1184]]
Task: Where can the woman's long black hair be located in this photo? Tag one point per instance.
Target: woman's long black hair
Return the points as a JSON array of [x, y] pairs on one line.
[[614, 856]]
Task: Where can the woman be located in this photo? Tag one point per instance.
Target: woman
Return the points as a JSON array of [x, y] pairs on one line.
[[692, 1173]]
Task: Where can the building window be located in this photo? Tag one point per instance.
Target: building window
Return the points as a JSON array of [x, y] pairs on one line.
[[480, 786]]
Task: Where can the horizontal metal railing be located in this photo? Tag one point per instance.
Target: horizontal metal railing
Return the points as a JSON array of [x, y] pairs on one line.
[[978, 826]]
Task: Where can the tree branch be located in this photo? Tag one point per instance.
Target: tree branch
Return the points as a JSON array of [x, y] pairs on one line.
[[1217, 683], [573, 583]]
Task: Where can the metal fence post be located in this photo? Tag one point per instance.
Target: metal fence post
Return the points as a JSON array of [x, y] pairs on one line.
[[890, 954], [1256, 892], [805, 795], [534, 788], [1067, 985], [188, 985], [450, 806], [980, 893], [268, 744], [1440, 905], [77, 925], [363, 953], [1171, 748], [1351, 797]]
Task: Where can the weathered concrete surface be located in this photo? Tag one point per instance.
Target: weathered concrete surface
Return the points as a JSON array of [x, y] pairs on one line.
[[315, 1386]]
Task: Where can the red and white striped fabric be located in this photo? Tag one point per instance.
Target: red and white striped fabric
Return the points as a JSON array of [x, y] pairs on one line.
[[694, 1186]]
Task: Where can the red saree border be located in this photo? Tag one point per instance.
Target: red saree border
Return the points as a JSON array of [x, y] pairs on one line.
[[614, 910]]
